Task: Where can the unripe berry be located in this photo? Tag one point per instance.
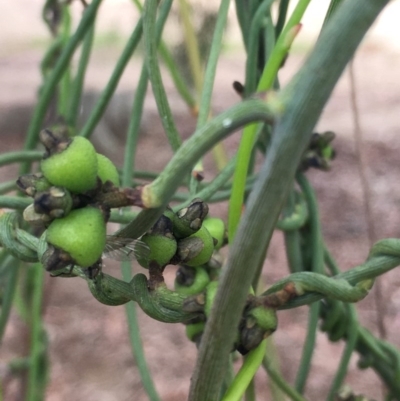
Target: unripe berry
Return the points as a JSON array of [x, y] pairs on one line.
[[82, 233], [161, 242], [106, 170], [74, 168], [216, 228]]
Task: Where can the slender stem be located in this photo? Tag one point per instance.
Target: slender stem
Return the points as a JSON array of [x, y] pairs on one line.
[[283, 8], [55, 76], [109, 90], [7, 186], [34, 379], [138, 102], [304, 100], [192, 45], [173, 69], [20, 156], [246, 373], [9, 291], [136, 341], [65, 82], [14, 202], [164, 110], [78, 83], [211, 68], [281, 382], [351, 341], [317, 263]]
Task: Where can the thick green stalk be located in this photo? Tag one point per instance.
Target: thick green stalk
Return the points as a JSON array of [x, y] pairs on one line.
[[267, 79], [304, 100], [55, 76]]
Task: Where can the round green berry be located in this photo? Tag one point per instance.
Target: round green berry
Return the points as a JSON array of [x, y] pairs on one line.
[[208, 247], [106, 170], [216, 227], [162, 249], [198, 282], [82, 234], [74, 168]]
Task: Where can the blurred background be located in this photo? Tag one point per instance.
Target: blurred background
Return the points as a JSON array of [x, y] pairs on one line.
[[90, 354]]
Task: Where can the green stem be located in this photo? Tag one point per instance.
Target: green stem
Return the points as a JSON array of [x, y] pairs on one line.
[[211, 68], [14, 202], [34, 380], [173, 69], [247, 142], [20, 156], [192, 45], [164, 110], [304, 99], [55, 76], [246, 373], [7, 186], [78, 83], [136, 341], [108, 91], [351, 341], [199, 143], [65, 82], [317, 264], [9, 291], [281, 382]]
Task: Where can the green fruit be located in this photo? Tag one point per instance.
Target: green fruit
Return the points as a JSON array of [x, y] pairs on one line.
[[216, 227], [106, 170], [193, 330], [162, 249], [198, 282], [82, 234], [74, 168], [208, 247]]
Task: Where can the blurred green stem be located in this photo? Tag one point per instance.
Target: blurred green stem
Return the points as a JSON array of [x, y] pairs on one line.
[[54, 78]]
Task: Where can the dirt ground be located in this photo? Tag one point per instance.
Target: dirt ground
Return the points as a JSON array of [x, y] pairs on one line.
[[90, 355]]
